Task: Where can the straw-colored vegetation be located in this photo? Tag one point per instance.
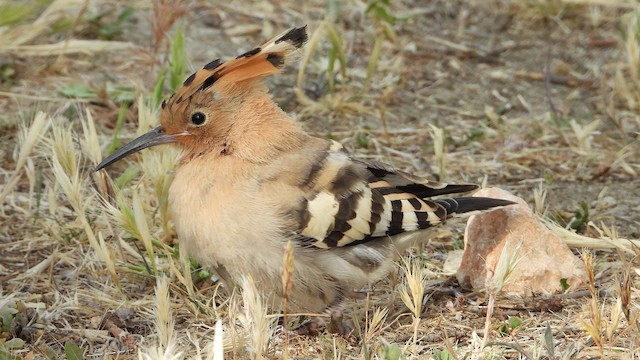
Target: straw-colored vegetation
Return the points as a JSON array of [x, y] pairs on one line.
[[541, 97]]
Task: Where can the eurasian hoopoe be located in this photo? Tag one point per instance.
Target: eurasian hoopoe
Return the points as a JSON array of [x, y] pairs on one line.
[[249, 180]]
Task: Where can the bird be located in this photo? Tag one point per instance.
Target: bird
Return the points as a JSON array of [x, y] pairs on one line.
[[250, 180]]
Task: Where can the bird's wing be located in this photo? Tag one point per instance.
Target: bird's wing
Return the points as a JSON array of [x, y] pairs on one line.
[[414, 184], [352, 201]]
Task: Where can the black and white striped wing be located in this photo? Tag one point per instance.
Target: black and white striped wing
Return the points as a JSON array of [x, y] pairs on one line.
[[352, 201]]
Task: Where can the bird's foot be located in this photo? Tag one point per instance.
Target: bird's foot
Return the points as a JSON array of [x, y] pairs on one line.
[[335, 325]]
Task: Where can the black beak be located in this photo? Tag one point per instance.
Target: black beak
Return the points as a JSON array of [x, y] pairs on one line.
[[152, 138]]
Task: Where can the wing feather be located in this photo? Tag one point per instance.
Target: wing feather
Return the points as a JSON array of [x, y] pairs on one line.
[[420, 186], [354, 201]]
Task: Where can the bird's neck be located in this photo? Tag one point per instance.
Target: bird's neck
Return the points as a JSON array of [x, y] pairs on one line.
[[261, 131]]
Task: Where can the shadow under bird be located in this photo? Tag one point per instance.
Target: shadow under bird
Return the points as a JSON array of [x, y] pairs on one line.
[[250, 179]]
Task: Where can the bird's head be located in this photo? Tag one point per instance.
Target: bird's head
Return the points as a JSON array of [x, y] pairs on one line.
[[199, 116]]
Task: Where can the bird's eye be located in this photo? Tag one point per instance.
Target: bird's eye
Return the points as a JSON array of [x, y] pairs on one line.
[[198, 118]]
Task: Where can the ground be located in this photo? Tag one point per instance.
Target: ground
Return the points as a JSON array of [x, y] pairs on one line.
[[534, 96]]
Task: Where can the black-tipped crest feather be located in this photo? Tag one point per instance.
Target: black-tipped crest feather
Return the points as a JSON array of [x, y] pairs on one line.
[[254, 64], [296, 36]]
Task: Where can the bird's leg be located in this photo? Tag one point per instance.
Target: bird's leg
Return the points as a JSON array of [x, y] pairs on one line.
[[336, 323], [336, 316], [311, 327], [225, 278]]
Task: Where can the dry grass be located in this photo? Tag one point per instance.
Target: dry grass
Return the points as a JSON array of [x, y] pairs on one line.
[[541, 97]]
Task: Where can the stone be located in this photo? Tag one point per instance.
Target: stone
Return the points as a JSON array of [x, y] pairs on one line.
[[543, 262]]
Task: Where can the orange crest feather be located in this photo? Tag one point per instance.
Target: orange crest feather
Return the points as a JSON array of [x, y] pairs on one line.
[[262, 61]]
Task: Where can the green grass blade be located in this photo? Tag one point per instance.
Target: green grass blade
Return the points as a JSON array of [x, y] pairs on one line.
[[178, 63]]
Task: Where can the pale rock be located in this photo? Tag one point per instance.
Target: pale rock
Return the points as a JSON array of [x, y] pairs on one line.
[[542, 259], [452, 262]]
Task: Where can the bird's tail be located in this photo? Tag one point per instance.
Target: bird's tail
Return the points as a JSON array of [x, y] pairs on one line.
[[467, 206], [455, 208]]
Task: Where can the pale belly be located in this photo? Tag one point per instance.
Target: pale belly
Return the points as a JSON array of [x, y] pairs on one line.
[[223, 220]]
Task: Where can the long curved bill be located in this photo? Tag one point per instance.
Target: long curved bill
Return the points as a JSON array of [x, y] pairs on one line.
[[152, 138]]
